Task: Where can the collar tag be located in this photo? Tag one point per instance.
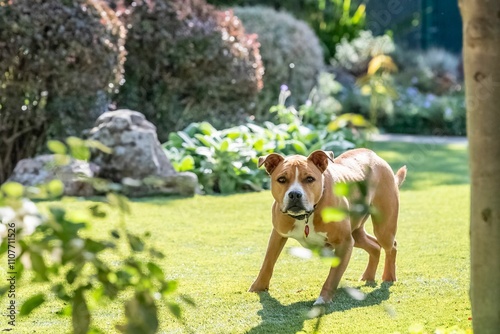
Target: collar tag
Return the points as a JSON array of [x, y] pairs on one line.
[[306, 230]]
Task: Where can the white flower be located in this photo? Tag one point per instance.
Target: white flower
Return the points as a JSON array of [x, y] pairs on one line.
[[30, 223], [7, 215], [26, 260], [29, 208], [3, 232], [56, 254]]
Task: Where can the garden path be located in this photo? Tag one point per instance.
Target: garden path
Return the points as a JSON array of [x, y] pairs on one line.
[[386, 137]]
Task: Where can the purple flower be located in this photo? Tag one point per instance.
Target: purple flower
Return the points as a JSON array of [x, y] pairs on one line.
[[284, 88]]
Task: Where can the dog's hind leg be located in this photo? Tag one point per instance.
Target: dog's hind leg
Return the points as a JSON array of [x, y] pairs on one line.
[[371, 246], [384, 228]]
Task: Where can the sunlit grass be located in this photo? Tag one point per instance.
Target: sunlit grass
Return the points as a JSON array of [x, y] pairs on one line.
[[214, 246]]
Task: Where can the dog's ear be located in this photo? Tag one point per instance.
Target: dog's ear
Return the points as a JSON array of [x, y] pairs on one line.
[[320, 159], [270, 161], [330, 155]]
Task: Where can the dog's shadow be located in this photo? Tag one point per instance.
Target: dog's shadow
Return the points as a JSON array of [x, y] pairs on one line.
[[279, 318]]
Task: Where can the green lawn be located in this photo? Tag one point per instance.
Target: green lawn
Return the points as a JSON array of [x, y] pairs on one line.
[[214, 246]]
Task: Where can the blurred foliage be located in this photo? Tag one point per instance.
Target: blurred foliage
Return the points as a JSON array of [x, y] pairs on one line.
[[225, 160], [188, 62], [427, 114], [355, 55], [290, 51], [368, 60], [435, 71], [55, 250], [59, 62], [378, 85], [331, 20], [431, 97]]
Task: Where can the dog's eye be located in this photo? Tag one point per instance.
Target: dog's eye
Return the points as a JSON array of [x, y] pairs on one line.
[[310, 179], [281, 179]]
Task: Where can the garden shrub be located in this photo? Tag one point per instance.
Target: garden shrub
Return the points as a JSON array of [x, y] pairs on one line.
[[71, 267], [355, 55], [331, 20], [225, 160], [435, 71], [427, 114], [59, 62], [290, 51], [188, 62]]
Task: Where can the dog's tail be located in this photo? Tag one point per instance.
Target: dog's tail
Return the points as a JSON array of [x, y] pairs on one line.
[[400, 176]]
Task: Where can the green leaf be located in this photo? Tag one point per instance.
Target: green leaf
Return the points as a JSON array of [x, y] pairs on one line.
[[341, 189], [169, 287], [188, 141], [224, 145], [299, 147], [78, 149], [207, 128], [12, 189], [206, 140], [99, 146], [31, 303], [80, 315], [55, 188], [60, 292], [333, 215], [259, 145], [135, 243], [56, 146], [71, 276], [186, 164], [38, 265], [156, 271], [65, 311], [61, 159]]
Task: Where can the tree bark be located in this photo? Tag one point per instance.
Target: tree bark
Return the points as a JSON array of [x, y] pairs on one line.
[[481, 48]]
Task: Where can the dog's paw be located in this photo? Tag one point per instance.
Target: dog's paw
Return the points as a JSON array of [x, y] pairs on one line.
[[321, 301], [258, 288]]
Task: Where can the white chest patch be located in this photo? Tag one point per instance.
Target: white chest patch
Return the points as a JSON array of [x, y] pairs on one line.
[[313, 239]]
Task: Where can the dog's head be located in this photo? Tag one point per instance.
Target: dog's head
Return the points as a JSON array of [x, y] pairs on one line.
[[297, 181]]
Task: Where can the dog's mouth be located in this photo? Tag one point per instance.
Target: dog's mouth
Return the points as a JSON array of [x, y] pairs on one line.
[[297, 212]]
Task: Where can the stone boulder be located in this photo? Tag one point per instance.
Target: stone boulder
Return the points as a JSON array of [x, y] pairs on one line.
[[138, 161], [44, 168]]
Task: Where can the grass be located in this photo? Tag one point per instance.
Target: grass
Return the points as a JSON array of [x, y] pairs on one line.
[[214, 246]]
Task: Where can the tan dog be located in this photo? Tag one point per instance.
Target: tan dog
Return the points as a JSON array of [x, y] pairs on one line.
[[302, 187]]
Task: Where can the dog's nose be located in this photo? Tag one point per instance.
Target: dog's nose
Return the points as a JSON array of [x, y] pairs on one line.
[[294, 195]]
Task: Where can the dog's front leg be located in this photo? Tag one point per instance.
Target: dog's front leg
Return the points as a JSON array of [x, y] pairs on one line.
[[274, 248], [343, 251]]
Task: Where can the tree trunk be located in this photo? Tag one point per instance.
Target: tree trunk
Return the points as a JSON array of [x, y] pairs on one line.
[[481, 48]]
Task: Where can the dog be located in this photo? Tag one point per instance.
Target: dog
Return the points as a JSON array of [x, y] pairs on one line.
[[303, 186]]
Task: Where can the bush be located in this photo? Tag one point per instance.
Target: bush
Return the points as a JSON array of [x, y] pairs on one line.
[[225, 161], [426, 113], [355, 55], [435, 71], [75, 268], [187, 62], [331, 20], [290, 51], [59, 60]]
